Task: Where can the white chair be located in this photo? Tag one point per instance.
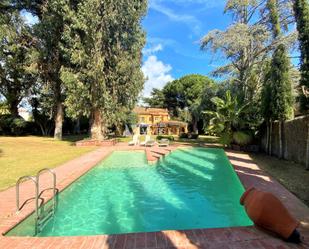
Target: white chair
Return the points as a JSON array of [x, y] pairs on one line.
[[147, 138], [135, 140], [148, 141], [163, 142]]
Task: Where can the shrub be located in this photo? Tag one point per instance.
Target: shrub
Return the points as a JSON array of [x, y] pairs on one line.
[[242, 138], [183, 135], [170, 138], [188, 135], [193, 135], [225, 139], [11, 125]]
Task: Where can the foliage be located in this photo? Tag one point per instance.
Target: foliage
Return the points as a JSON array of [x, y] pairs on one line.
[[228, 117], [185, 98], [170, 138], [188, 135], [103, 43], [246, 44], [16, 60], [301, 8], [156, 99], [10, 125], [281, 104], [277, 94], [49, 32], [242, 138]]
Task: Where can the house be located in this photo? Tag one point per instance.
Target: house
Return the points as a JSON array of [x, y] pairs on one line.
[[157, 121]]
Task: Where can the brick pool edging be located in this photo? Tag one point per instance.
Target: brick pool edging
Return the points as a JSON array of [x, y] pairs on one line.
[[244, 237]]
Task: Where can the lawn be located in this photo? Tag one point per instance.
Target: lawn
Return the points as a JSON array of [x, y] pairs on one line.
[[292, 175], [26, 155]]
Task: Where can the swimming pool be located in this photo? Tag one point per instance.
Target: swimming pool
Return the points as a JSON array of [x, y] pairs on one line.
[[188, 189]]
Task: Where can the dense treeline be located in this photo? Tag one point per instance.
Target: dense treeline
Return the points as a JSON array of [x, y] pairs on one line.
[[81, 59], [259, 84], [79, 66]]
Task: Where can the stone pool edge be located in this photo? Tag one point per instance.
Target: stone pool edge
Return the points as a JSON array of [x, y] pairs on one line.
[[184, 239]]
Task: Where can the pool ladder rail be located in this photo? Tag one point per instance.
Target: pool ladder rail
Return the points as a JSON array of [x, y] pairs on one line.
[[41, 216]]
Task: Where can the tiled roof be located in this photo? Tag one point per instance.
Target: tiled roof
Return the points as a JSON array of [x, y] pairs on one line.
[[150, 111]]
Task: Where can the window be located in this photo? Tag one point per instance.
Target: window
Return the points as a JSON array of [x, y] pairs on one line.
[[142, 119]]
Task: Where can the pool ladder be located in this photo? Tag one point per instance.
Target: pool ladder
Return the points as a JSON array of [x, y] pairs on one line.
[[41, 216]]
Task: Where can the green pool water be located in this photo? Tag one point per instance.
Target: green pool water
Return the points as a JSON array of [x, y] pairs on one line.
[[189, 188]]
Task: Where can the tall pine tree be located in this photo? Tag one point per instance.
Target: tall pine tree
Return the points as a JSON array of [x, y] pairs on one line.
[[301, 9], [103, 43]]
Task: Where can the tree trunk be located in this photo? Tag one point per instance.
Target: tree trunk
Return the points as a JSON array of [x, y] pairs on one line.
[[270, 137], [58, 121], [307, 159], [267, 137], [280, 138], [118, 130], [13, 106], [97, 126], [77, 126], [194, 126]]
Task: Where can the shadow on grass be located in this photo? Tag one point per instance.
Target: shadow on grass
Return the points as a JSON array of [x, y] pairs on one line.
[[75, 138]]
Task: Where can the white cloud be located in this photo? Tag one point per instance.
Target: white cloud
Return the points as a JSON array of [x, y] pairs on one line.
[[191, 21], [153, 49], [29, 18], [157, 74]]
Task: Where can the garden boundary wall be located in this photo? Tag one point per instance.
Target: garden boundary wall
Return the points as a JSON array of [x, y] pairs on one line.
[[295, 140]]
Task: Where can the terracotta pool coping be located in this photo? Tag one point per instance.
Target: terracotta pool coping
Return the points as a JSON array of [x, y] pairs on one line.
[[244, 237]]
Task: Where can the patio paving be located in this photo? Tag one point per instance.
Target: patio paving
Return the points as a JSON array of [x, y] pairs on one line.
[[229, 238]]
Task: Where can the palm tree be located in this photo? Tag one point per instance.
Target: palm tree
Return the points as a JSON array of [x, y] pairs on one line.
[[228, 120]]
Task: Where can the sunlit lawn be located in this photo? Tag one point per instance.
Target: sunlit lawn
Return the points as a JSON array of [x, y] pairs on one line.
[[26, 155], [292, 175]]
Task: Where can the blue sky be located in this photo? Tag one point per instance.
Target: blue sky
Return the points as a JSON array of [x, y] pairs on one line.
[[174, 30]]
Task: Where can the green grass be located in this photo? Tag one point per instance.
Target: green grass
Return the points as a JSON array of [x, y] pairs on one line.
[[202, 139], [26, 155], [291, 175]]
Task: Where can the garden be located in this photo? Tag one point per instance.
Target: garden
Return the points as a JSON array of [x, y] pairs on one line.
[[75, 73]]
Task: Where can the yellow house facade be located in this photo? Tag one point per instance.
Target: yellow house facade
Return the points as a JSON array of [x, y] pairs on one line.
[[157, 122]]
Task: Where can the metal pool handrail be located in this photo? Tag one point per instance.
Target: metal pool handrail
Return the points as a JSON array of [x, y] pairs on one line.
[[40, 220], [34, 179], [54, 183]]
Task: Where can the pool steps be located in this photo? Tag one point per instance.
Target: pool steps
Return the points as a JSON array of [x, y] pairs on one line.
[[154, 154]]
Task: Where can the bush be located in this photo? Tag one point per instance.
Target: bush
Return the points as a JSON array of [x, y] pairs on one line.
[[193, 136], [170, 138], [226, 139], [188, 135], [12, 125], [183, 135], [242, 138]]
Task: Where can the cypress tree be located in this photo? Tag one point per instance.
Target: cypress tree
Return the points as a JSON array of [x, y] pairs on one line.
[[278, 97], [281, 101], [301, 10], [277, 91]]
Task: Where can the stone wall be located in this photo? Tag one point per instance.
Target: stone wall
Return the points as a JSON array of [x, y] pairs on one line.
[[295, 140]]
